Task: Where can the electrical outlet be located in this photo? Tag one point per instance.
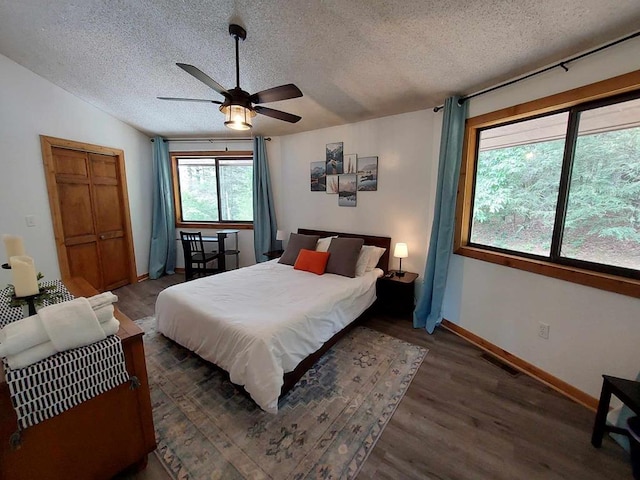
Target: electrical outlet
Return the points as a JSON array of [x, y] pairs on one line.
[[543, 330]]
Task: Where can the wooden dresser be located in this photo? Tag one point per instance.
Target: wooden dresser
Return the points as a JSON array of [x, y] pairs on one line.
[[94, 440]]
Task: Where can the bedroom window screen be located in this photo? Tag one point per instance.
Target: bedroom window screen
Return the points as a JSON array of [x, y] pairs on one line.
[[556, 192], [213, 190]]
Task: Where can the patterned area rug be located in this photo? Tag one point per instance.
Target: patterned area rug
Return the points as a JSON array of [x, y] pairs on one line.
[[325, 428]]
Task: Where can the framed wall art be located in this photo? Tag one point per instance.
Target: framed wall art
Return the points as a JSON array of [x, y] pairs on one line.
[[318, 177], [332, 184], [347, 190], [350, 163], [367, 174], [334, 158]]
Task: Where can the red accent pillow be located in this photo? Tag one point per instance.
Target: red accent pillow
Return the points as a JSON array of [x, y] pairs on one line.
[[312, 261]]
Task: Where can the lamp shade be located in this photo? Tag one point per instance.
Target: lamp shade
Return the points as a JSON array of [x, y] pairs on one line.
[[281, 235], [401, 250], [237, 117]]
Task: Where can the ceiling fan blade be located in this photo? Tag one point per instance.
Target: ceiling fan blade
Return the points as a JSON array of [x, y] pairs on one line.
[[283, 92], [189, 100], [203, 77], [270, 112]]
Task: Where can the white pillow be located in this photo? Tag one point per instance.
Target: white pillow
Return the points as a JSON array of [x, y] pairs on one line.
[[323, 244], [375, 253], [368, 259]]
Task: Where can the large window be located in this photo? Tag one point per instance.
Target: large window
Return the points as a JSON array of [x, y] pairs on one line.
[[213, 188], [560, 186]]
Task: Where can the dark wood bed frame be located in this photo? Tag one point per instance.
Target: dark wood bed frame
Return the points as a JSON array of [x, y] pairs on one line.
[[291, 378]]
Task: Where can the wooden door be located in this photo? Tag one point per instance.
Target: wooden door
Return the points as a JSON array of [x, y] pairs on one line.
[[87, 195], [109, 220]]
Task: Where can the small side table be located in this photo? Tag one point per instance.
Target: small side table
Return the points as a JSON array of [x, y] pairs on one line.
[[626, 390], [273, 254], [396, 294]]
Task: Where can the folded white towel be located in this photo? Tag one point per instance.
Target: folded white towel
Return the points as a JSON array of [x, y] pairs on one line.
[[22, 334], [111, 327], [40, 352], [28, 332], [71, 324], [102, 299], [104, 313], [31, 355]]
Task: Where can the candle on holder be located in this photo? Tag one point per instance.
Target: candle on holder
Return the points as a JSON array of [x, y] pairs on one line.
[[14, 246], [24, 277]]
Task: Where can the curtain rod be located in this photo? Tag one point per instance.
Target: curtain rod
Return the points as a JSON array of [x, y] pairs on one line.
[[562, 65], [210, 140]]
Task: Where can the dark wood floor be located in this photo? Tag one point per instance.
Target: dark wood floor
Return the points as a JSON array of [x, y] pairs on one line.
[[462, 417]]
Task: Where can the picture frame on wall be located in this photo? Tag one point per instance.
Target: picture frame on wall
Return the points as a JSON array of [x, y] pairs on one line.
[[332, 184], [318, 177], [334, 158], [367, 174], [347, 190], [350, 163]]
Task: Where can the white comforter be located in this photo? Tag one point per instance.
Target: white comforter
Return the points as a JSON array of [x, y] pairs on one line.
[[259, 322]]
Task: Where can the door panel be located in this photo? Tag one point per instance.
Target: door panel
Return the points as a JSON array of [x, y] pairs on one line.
[[84, 262], [103, 167], [70, 162], [114, 272], [109, 220], [108, 211], [75, 207]]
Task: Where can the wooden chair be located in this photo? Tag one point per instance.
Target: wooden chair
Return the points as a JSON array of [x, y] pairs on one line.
[[195, 258]]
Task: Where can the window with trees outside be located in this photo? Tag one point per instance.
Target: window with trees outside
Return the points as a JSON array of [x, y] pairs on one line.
[[213, 188], [557, 192]]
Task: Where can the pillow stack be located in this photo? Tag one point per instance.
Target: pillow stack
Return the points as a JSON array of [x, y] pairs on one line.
[[348, 257]]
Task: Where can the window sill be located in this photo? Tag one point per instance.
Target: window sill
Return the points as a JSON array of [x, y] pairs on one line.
[[216, 225], [602, 281]]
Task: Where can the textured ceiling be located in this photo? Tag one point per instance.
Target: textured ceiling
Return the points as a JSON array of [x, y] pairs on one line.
[[352, 59]]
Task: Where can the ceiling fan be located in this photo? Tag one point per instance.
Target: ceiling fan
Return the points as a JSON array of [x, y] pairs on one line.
[[238, 106]]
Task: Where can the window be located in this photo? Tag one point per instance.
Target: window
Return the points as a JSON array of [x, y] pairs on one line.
[[557, 190], [213, 188]]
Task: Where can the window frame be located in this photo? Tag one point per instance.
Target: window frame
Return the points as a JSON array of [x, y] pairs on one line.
[[175, 177], [577, 271]]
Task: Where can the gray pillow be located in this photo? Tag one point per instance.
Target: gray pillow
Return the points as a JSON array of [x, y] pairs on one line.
[[344, 256], [297, 241]]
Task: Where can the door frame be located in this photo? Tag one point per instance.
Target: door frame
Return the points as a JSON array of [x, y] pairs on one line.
[[48, 144]]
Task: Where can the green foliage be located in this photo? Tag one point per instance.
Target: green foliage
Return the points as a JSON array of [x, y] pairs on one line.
[[199, 192], [516, 193]]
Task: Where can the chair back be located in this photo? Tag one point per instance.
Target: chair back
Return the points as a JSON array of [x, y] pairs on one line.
[[192, 243]]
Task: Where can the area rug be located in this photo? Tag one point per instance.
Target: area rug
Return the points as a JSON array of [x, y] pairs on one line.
[[325, 428]]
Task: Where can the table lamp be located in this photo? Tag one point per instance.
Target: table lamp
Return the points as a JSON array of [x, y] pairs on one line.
[[400, 252], [280, 235]]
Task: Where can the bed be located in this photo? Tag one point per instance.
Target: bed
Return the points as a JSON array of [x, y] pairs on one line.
[[267, 324]]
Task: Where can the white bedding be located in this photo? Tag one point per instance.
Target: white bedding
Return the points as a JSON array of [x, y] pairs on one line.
[[259, 322]]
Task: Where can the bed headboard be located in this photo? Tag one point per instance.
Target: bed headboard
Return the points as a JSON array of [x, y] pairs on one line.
[[384, 242]]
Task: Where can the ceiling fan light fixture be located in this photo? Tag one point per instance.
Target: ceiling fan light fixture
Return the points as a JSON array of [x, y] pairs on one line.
[[237, 117]]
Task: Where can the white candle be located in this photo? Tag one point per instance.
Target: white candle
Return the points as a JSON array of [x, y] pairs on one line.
[[14, 246], [23, 274]]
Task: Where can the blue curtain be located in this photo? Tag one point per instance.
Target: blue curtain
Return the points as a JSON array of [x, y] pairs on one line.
[[162, 256], [264, 215], [428, 312]]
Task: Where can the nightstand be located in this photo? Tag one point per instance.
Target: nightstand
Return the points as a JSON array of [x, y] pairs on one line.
[[396, 294], [273, 254]]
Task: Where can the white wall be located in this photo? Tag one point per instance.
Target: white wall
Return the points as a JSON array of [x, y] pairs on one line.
[[245, 237], [592, 331], [402, 208], [31, 106]]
